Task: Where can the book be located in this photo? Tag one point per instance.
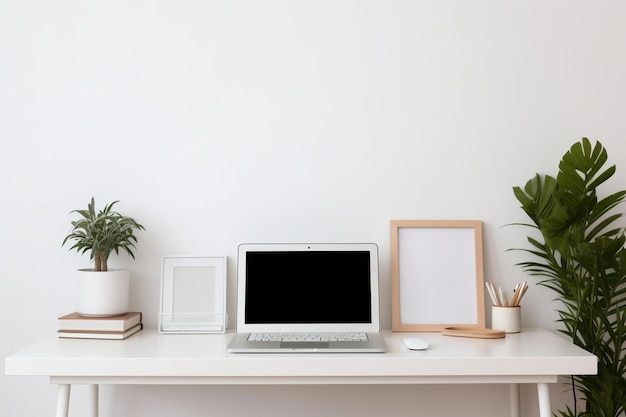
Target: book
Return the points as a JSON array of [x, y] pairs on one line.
[[99, 334], [75, 321]]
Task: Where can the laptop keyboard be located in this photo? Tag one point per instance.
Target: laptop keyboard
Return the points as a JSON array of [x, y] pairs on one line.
[[308, 337]]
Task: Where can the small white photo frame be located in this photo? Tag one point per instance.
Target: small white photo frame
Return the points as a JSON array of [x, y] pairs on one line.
[[436, 274], [193, 294]]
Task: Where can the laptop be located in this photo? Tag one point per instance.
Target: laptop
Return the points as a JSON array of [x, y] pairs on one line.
[[307, 298]]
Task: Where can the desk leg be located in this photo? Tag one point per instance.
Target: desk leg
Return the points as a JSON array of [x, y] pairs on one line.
[[63, 400], [544, 400], [94, 400], [514, 400]]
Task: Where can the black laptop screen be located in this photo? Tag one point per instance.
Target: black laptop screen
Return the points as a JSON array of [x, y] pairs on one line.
[[308, 287]]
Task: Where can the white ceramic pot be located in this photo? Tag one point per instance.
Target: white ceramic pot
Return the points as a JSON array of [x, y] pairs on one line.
[[103, 293]]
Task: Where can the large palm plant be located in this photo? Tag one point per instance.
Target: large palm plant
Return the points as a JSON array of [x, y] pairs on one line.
[[579, 253]]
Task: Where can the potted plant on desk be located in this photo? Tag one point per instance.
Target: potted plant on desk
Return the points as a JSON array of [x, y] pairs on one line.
[[103, 291], [580, 254]]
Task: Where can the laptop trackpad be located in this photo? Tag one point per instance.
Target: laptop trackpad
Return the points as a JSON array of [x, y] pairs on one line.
[[304, 345]]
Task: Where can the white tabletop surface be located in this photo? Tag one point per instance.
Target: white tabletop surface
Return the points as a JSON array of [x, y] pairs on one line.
[[533, 352]]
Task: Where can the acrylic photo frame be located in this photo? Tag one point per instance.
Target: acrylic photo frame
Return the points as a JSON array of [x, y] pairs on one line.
[[193, 294], [436, 274]]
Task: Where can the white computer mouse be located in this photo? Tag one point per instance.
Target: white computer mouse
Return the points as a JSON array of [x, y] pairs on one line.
[[415, 343]]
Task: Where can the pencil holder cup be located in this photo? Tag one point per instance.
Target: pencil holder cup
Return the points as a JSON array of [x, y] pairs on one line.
[[507, 319]]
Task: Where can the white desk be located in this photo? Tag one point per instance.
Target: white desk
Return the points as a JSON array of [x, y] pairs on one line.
[[534, 356]]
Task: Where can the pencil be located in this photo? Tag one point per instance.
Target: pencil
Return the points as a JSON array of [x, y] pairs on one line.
[[492, 293], [515, 298], [522, 291]]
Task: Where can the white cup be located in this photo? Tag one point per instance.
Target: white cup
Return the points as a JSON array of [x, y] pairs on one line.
[[507, 319]]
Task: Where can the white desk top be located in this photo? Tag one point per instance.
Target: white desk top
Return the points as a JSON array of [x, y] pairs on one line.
[[534, 353]]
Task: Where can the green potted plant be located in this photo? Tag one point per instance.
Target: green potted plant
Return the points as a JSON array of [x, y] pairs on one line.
[[579, 252], [103, 291]]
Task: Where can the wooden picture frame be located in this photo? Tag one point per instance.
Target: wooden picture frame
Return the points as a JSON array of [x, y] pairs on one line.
[[436, 274], [193, 294]]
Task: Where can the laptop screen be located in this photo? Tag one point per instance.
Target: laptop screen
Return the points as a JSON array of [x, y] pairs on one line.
[[307, 287]]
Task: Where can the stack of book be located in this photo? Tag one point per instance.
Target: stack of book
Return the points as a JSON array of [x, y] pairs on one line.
[[76, 326]]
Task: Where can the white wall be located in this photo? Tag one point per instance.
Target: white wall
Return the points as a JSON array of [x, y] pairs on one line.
[[219, 122]]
